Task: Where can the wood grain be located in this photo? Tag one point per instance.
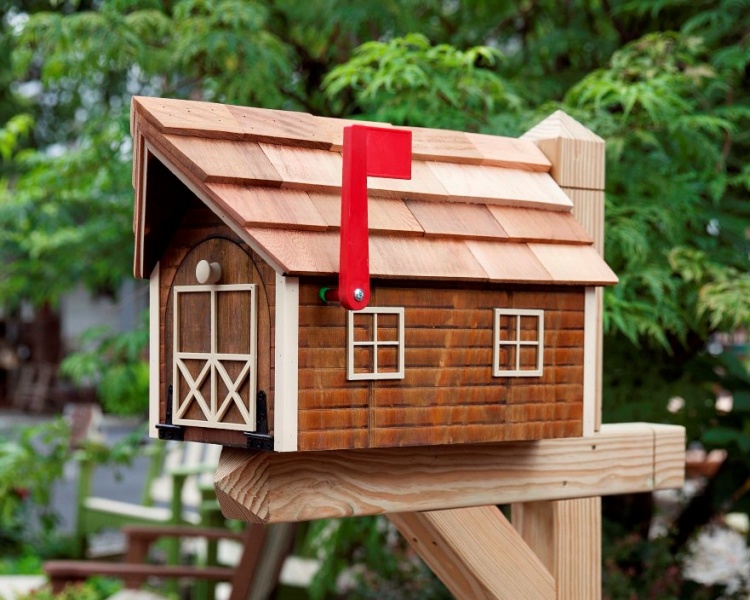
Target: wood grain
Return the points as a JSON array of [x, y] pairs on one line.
[[526, 224], [299, 252], [566, 536], [443, 145], [423, 184], [280, 127], [269, 207], [576, 153], [233, 331], [424, 258], [477, 554], [185, 117], [495, 185], [509, 262], [574, 264], [263, 487], [510, 153], [448, 356], [332, 129], [384, 214], [304, 168], [224, 161], [467, 221], [438, 416], [588, 210]]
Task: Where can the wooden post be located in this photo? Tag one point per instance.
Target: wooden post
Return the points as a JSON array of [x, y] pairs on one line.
[[566, 534], [577, 157]]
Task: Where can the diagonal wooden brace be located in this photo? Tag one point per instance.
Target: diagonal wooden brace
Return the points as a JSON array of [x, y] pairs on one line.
[[477, 554]]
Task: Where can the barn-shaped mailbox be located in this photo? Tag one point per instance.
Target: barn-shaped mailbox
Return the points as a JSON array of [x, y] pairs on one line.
[[482, 319]]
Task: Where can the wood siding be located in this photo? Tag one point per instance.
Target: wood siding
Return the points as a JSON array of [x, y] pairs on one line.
[[202, 235], [448, 394]]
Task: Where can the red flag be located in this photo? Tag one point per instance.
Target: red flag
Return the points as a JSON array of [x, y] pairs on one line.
[[378, 152]]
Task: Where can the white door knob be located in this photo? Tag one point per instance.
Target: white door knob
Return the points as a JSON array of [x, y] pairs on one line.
[[206, 272]]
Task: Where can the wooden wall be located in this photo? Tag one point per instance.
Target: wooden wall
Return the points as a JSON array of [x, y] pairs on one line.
[[448, 394], [198, 225]]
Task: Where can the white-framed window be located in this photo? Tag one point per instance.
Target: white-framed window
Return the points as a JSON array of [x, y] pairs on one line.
[[375, 343], [214, 359], [518, 349]]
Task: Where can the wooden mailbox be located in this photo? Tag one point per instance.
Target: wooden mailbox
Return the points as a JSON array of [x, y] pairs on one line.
[[482, 317], [479, 350]]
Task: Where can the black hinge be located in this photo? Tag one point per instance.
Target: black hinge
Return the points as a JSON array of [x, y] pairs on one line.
[[167, 431], [259, 439]]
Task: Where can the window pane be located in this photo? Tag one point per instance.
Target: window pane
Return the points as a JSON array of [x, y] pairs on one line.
[[233, 312], [508, 328], [529, 356], [363, 359], [529, 328], [388, 359], [387, 328], [194, 320], [507, 358], [363, 327]]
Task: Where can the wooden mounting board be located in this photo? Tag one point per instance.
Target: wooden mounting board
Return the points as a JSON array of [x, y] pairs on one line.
[[263, 487]]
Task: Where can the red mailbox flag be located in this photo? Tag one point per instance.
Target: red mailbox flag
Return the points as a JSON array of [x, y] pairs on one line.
[[375, 151]]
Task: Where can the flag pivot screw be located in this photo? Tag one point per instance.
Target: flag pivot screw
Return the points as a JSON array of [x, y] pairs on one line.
[[359, 295]]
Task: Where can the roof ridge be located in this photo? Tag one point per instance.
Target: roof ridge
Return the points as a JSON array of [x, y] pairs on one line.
[[300, 129]]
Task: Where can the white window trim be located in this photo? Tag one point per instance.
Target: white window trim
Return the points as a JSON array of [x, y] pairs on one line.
[[518, 343], [375, 343], [213, 367]]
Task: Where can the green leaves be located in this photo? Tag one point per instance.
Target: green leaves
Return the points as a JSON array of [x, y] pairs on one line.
[[673, 231], [67, 219], [15, 130], [407, 80], [115, 364]]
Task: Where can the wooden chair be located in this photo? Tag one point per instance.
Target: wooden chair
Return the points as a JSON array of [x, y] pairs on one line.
[[178, 490], [253, 578]]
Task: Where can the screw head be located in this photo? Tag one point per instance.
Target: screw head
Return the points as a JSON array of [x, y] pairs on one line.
[[359, 295]]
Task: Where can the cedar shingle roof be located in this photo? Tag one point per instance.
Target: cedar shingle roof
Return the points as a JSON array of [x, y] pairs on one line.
[[478, 207]]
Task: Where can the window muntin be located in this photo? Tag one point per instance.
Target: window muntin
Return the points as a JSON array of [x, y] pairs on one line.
[[214, 366], [518, 348], [375, 344]]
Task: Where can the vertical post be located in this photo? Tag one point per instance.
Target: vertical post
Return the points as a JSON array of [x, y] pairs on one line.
[[577, 157], [566, 534]]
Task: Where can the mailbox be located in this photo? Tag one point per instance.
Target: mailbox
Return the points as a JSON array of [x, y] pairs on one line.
[[481, 316]]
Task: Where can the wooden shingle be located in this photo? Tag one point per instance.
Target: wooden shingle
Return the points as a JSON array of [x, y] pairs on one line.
[[183, 117], [510, 153], [280, 127], [574, 264], [384, 214], [477, 208], [225, 161], [509, 262], [304, 168], [454, 219], [496, 185], [422, 258], [527, 224], [269, 207]]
